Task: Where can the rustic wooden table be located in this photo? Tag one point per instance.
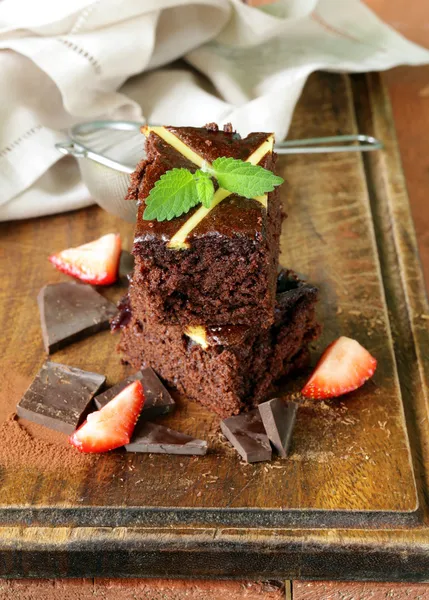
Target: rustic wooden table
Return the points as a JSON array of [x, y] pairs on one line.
[[385, 550], [408, 89]]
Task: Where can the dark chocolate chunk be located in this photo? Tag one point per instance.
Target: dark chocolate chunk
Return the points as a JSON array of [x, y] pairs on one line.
[[149, 437], [247, 434], [126, 267], [60, 397], [70, 312], [157, 400], [279, 418]]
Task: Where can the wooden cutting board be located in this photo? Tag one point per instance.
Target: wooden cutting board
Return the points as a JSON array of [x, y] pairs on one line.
[[351, 467]]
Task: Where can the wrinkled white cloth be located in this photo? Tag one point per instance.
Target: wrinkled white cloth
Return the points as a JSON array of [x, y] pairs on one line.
[[79, 60]]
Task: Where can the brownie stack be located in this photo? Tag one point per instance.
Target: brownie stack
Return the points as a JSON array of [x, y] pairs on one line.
[[207, 307]]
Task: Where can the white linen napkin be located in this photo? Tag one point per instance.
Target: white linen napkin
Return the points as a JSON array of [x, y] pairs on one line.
[[78, 60]]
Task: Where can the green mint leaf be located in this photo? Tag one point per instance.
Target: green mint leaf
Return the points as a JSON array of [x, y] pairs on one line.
[[242, 178], [174, 194], [205, 187]]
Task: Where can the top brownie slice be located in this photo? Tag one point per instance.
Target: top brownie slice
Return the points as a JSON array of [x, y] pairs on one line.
[[224, 269]]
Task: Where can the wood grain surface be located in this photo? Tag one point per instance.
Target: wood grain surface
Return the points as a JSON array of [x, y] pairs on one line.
[[356, 590], [139, 589], [409, 95], [349, 231]]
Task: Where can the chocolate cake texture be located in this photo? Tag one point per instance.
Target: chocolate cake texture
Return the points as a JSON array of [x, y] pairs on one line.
[[225, 368], [223, 270], [206, 307]]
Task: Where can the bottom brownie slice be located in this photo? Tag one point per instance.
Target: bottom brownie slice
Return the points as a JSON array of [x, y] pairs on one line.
[[225, 368]]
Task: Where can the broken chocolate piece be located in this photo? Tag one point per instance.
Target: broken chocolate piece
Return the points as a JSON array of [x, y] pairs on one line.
[[279, 418], [149, 437], [247, 434], [157, 400], [70, 312], [60, 397]]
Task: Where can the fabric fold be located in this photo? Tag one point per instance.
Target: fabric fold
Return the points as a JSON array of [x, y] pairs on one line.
[[81, 60]]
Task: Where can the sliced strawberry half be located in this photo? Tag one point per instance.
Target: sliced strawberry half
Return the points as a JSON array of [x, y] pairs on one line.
[[113, 425], [344, 366], [96, 262]]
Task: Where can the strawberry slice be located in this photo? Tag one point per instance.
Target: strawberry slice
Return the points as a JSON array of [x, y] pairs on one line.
[[343, 367], [96, 262], [113, 425]]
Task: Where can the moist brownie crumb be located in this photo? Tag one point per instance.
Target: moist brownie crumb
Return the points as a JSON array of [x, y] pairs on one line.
[[235, 370], [226, 271]]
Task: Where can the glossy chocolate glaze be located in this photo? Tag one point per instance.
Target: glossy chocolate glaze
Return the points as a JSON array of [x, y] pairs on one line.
[[234, 216]]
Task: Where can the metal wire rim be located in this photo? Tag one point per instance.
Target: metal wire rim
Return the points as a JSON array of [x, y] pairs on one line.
[[318, 145]]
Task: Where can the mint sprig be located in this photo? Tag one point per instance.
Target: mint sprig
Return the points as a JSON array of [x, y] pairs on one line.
[[243, 178], [205, 188], [179, 190], [172, 195]]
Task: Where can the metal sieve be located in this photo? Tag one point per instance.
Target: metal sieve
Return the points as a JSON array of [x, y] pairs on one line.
[[107, 153]]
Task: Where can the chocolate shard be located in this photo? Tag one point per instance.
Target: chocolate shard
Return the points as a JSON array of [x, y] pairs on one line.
[[149, 437], [70, 312], [279, 418], [60, 397], [247, 434], [157, 399]]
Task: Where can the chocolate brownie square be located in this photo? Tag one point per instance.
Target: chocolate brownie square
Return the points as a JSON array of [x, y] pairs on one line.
[[210, 266], [225, 368]]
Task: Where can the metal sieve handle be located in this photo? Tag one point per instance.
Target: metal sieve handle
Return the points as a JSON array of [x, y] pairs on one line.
[[78, 151], [338, 143]]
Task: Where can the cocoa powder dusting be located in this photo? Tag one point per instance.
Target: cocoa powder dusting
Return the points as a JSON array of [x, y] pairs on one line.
[[18, 448]]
